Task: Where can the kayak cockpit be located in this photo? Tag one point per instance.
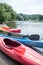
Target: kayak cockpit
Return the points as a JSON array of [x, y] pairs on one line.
[[16, 46], [10, 43]]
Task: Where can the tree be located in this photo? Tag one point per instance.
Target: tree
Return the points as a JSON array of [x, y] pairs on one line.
[[6, 13], [13, 15], [19, 17]]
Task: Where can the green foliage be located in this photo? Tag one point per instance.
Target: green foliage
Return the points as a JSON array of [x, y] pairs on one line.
[[37, 17], [19, 17], [11, 24], [6, 13], [13, 15], [25, 17]]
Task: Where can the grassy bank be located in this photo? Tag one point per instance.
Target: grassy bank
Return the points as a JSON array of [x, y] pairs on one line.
[[11, 24]]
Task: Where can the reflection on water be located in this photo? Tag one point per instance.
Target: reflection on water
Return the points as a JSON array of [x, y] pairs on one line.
[[30, 27]]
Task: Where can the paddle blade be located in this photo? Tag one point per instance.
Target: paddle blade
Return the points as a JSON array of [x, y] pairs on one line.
[[34, 37]]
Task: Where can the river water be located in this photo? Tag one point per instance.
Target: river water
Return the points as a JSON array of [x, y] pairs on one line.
[[29, 27]]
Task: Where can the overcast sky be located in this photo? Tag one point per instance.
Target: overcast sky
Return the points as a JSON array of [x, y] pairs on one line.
[[26, 6]]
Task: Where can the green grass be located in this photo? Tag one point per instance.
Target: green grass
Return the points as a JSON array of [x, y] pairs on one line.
[[11, 24]]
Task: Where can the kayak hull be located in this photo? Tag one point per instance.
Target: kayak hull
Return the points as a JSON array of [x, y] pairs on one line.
[[11, 29], [22, 53], [26, 41]]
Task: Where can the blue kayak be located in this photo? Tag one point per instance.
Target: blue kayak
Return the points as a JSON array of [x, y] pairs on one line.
[[25, 40]]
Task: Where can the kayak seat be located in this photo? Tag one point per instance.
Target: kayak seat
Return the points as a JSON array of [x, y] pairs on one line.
[[10, 43]]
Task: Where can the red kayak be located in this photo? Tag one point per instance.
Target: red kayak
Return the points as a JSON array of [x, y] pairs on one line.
[[20, 52], [11, 29]]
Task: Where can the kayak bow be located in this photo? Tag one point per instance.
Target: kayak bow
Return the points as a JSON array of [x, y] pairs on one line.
[[10, 29]]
